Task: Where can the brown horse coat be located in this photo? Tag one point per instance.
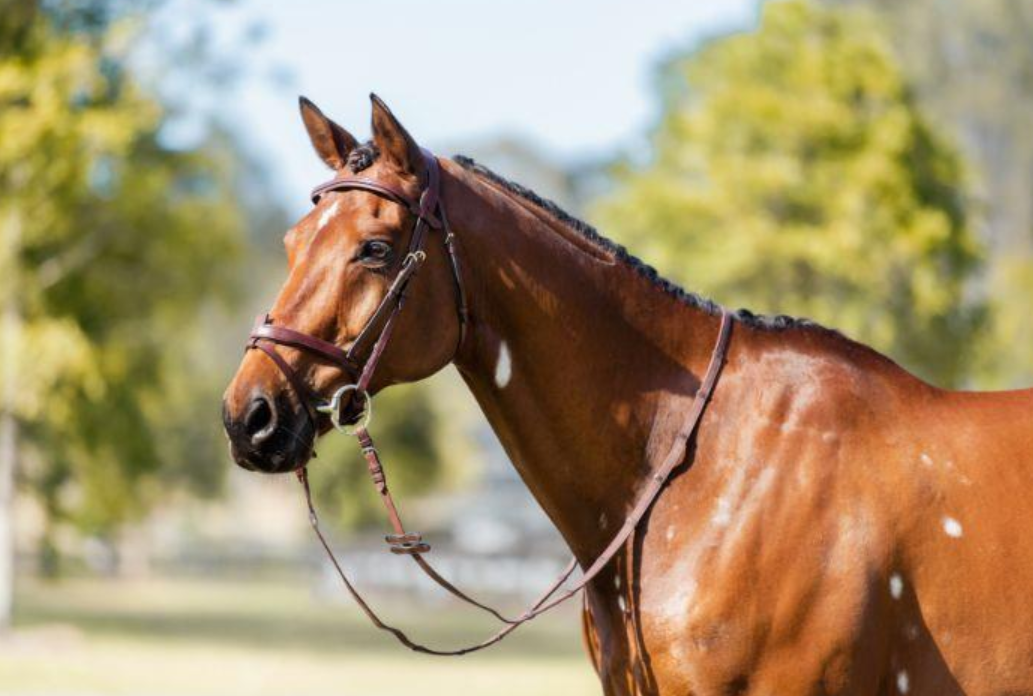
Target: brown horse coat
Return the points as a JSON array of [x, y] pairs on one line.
[[839, 527]]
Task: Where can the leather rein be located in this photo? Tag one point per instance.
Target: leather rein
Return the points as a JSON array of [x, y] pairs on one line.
[[430, 214]]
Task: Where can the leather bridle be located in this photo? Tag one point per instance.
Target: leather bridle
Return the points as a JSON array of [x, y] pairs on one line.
[[430, 214]]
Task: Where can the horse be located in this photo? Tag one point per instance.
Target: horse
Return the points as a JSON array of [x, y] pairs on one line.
[[834, 526]]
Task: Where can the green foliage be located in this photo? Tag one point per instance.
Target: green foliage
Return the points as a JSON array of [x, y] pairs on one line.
[[1006, 359], [972, 66], [111, 242], [791, 172]]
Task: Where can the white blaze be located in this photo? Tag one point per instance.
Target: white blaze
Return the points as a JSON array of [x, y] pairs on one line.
[[328, 215], [952, 528], [903, 683], [504, 368]]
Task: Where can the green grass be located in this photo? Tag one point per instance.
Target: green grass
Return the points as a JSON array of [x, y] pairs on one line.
[[172, 638]]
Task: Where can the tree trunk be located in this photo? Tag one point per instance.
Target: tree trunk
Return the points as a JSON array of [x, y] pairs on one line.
[[8, 457], [10, 338]]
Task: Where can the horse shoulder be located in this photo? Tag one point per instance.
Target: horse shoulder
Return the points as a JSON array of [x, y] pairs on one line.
[[770, 543]]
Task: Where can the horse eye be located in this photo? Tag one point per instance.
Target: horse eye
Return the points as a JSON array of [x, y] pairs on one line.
[[375, 251]]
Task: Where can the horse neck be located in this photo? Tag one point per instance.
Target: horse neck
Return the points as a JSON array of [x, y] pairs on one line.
[[583, 367]]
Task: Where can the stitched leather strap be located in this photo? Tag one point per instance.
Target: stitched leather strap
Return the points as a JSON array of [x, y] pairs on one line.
[[391, 304], [387, 190], [264, 329], [305, 396]]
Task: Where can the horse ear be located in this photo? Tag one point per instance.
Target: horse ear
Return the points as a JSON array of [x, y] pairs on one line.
[[332, 143], [393, 141]]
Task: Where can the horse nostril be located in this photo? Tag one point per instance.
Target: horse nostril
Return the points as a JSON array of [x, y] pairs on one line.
[[260, 421]]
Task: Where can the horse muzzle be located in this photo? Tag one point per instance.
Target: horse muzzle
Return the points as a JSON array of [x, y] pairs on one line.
[[268, 434]]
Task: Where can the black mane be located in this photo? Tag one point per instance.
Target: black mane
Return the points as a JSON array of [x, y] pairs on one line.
[[364, 155], [780, 322]]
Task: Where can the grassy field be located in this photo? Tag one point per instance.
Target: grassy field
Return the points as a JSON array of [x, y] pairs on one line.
[[173, 638]]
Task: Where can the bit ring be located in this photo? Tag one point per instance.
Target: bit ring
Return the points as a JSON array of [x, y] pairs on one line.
[[332, 408]]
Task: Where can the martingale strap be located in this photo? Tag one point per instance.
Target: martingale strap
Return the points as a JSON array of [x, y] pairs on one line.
[[675, 456]]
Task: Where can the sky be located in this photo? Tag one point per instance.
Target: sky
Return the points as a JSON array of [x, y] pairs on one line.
[[571, 78]]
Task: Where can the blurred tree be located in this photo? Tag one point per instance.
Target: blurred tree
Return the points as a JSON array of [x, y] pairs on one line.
[[111, 242], [791, 172], [972, 67]]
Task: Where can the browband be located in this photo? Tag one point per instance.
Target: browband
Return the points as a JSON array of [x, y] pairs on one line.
[[424, 208]]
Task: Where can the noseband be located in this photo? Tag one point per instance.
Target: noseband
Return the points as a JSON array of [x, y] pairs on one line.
[[430, 213]]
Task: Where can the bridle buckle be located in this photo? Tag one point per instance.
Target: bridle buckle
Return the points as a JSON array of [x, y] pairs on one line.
[[407, 544]]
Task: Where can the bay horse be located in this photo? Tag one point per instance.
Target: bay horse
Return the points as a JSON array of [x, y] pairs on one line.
[[836, 526]]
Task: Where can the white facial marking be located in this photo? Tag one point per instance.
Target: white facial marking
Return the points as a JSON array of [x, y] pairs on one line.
[[669, 534], [952, 528], [603, 522], [926, 459], [621, 604], [903, 683], [328, 214], [617, 582], [896, 586], [504, 368]]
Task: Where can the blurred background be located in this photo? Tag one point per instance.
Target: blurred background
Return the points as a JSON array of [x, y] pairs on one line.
[[866, 163]]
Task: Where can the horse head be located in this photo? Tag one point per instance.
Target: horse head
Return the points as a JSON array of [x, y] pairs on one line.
[[351, 260]]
